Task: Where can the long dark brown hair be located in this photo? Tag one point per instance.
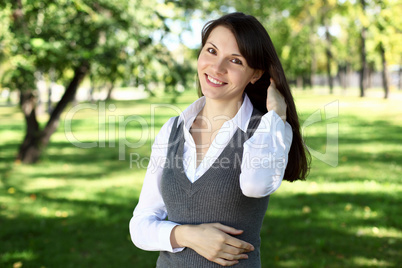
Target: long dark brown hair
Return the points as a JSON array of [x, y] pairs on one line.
[[256, 47]]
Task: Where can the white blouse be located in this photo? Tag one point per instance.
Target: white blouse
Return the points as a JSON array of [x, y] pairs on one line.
[[265, 157]]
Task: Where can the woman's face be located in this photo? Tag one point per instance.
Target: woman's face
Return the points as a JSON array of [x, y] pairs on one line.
[[222, 70]]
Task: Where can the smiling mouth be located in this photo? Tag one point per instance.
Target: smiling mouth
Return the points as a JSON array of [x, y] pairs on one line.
[[214, 81]]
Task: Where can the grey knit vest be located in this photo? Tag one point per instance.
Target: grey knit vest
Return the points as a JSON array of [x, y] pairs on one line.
[[215, 197]]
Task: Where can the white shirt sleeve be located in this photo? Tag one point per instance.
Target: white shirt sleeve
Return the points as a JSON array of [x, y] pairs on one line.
[[265, 156], [149, 228]]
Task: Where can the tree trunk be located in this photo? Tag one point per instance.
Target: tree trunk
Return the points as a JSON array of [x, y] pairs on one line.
[[385, 82], [92, 89], [342, 73], [49, 99], [348, 74], [400, 75], [329, 57], [299, 82], [28, 151], [52, 82], [370, 72], [35, 139], [69, 95], [313, 55], [363, 70], [109, 91], [306, 81]]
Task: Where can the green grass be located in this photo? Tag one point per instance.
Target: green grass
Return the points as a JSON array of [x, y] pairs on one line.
[[72, 208]]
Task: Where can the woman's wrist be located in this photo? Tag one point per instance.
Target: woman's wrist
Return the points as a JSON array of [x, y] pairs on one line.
[[178, 236]]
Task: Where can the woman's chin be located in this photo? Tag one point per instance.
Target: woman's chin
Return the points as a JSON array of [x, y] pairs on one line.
[[212, 93]]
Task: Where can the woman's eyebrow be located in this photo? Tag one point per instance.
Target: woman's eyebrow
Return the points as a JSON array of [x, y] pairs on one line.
[[234, 54]]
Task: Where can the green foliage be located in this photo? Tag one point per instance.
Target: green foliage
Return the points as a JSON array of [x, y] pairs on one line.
[[296, 28], [120, 38], [115, 37], [73, 208], [21, 76], [63, 41]]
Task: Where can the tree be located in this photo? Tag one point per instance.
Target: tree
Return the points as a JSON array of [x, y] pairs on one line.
[[386, 33], [70, 37], [363, 33]]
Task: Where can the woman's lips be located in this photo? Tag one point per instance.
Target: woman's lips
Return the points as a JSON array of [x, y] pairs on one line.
[[214, 82]]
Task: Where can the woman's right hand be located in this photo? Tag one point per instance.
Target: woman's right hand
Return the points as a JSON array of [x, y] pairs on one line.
[[213, 241], [276, 101]]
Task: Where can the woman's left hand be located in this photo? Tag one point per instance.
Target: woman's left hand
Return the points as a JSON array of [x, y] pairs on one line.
[[275, 101]]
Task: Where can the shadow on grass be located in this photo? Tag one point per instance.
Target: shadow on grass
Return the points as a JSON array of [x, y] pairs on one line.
[[332, 230], [84, 239], [106, 160], [325, 235], [301, 230], [363, 147], [353, 130]]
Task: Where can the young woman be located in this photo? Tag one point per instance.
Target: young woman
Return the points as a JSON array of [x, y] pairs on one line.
[[213, 168]]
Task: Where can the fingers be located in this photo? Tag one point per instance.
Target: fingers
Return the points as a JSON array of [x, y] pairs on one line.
[[273, 90], [230, 253], [272, 83], [224, 262], [214, 241], [276, 101], [228, 249], [227, 229], [229, 256], [237, 243]]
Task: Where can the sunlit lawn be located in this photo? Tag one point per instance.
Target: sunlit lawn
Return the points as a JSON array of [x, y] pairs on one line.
[[72, 209]]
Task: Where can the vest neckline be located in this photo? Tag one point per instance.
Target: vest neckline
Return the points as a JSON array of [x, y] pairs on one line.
[[239, 136], [192, 187]]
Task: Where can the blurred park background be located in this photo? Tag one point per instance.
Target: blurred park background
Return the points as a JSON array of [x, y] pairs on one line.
[[86, 85]]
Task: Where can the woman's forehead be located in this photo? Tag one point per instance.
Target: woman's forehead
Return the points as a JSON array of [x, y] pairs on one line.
[[223, 39]]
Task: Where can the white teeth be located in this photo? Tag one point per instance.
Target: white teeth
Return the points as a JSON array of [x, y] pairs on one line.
[[214, 81]]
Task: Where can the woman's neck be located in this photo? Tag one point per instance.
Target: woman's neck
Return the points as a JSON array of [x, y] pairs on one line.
[[216, 112]]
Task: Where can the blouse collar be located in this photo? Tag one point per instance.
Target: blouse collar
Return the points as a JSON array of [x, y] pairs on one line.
[[241, 119]]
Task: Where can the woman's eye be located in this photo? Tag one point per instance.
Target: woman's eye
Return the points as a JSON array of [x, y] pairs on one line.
[[211, 50], [237, 61]]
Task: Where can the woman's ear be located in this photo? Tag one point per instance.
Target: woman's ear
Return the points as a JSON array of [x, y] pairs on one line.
[[257, 75]]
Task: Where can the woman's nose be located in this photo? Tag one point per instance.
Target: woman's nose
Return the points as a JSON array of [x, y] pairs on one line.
[[219, 66]]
